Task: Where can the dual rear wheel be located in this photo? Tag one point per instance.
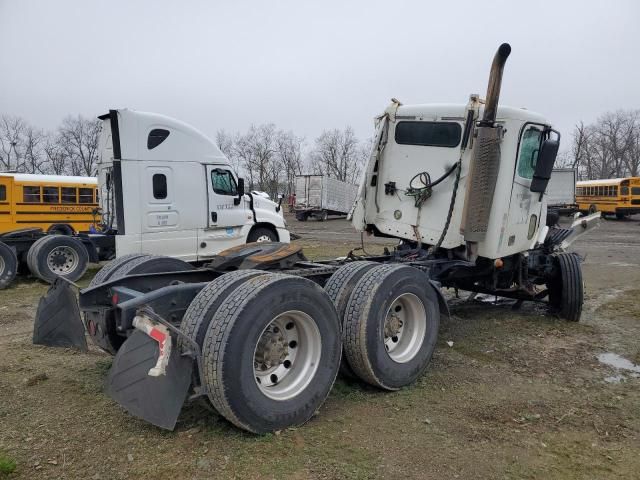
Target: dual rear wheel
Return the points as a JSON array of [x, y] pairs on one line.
[[270, 347]]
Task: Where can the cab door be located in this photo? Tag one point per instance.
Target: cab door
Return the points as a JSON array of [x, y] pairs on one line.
[[227, 212], [525, 206], [5, 204]]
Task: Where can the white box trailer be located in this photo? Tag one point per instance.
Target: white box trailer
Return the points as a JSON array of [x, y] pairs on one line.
[[320, 196], [561, 191]]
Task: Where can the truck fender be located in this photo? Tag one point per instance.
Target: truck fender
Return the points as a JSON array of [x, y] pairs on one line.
[[442, 302]]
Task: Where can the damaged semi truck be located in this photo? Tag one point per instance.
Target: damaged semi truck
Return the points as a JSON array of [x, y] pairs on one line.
[[260, 332]]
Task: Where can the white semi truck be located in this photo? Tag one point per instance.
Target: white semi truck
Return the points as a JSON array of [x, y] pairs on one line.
[[165, 190], [260, 332]]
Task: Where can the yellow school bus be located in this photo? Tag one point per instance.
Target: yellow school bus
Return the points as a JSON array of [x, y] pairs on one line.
[[614, 196], [54, 203]]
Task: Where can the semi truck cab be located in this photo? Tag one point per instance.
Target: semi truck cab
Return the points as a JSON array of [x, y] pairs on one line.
[[167, 189]]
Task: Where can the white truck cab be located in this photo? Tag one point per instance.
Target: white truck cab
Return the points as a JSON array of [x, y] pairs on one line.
[[166, 189], [417, 144]]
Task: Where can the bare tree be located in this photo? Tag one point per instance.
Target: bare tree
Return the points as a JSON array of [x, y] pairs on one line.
[[34, 156], [609, 147], [57, 159], [12, 131], [78, 136], [289, 150], [338, 154]]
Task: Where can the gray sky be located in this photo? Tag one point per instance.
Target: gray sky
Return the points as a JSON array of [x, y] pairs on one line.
[[309, 66]]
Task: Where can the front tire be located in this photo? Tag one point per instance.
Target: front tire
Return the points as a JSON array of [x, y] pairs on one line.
[[271, 352], [566, 289], [262, 234], [391, 326]]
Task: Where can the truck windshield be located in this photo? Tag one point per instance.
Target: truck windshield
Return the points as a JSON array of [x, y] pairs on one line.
[[529, 149]]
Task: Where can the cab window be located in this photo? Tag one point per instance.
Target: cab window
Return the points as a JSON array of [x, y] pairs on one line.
[[529, 149], [31, 194], [223, 182]]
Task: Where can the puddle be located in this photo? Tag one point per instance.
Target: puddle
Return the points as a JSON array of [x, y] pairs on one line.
[[615, 379], [616, 361]]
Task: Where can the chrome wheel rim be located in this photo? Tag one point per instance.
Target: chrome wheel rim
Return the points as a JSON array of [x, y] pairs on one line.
[[287, 355], [405, 327], [63, 260], [263, 238]]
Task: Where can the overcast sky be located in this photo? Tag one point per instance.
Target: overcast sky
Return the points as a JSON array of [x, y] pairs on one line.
[[309, 66]]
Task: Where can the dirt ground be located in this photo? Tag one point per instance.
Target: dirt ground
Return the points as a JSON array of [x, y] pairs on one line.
[[508, 395]]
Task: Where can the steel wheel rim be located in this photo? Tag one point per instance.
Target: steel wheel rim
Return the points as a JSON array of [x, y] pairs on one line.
[[287, 355], [2, 265], [63, 260], [405, 327], [263, 238]]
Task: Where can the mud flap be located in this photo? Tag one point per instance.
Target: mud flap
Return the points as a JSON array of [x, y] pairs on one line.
[[155, 399], [57, 322]]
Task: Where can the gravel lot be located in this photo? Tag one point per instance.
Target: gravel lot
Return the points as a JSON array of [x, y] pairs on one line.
[[519, 394]]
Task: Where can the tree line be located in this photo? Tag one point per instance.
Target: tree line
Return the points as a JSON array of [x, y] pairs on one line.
[[72, 149], [606, 148], [268, 157]]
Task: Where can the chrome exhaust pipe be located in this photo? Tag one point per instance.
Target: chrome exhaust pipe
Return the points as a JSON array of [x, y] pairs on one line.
[[495, 82]]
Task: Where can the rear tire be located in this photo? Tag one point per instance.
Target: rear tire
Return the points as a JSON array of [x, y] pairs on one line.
[[283, 332], [566, 290], [8, 265], [391, 326], [104, 274], [55, 256], [592, 209], [339, 288]]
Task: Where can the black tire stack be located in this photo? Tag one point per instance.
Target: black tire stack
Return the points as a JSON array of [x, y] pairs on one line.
[[49, 249]]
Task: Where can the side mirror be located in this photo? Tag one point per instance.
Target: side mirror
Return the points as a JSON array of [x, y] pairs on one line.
[[546, 160], [240, 190]]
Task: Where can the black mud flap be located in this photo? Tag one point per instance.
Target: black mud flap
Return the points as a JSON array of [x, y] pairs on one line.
[[157, 400], [57, 322]]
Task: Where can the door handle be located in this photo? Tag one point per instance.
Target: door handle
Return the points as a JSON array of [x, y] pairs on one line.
[[214, 217]]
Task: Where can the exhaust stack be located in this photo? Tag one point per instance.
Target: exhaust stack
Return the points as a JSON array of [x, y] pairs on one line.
[[485, 164], [495, 82]]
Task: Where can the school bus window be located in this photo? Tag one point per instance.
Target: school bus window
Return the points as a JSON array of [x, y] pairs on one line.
[[86, 195], [97, 196], [635, 190], [3, 193], [624, 190], [69, 195], [50, 195], [31, 194]]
